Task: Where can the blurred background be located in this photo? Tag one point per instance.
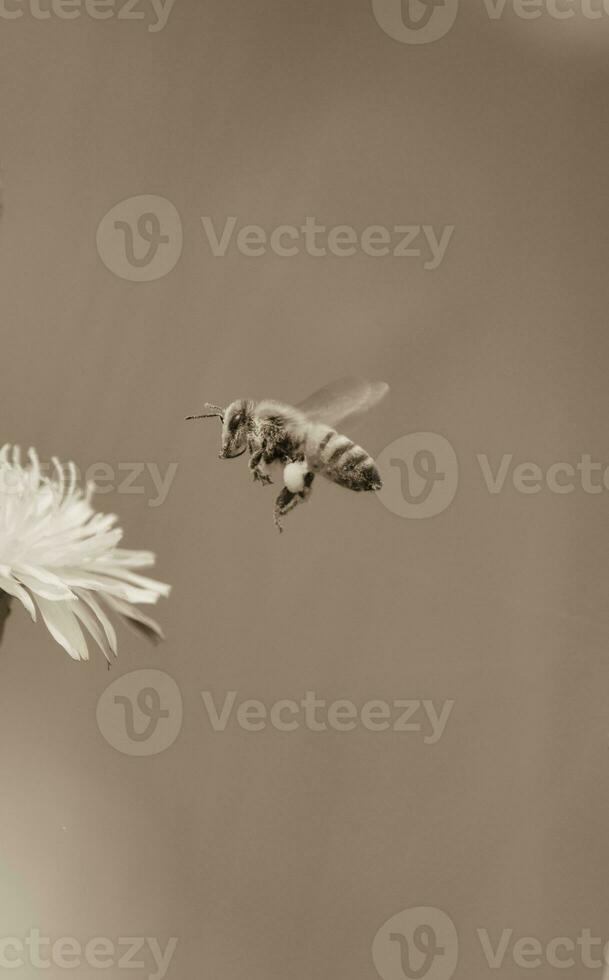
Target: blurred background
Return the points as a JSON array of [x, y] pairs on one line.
[[271, 854]]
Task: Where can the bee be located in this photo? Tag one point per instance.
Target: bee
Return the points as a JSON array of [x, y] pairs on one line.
[[302, 439]]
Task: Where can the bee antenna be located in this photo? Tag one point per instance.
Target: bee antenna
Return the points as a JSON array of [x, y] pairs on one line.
[[216, 412]]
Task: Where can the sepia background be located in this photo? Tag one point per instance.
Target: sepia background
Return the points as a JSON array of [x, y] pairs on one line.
[[272, 854]]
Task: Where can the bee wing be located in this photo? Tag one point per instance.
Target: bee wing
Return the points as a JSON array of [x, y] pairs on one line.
[[349, 398]]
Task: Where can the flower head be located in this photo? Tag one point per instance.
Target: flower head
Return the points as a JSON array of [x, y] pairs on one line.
[[61, 558]]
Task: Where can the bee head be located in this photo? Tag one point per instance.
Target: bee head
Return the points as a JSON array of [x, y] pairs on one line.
[[235, 427], [236, 422]]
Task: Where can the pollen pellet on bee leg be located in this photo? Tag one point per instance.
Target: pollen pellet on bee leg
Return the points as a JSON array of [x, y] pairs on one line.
[[294, 476]]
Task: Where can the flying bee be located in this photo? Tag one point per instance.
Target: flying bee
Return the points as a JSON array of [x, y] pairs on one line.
[[302, 439]]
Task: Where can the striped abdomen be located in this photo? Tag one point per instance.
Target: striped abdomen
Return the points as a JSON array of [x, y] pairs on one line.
[[339, 459]]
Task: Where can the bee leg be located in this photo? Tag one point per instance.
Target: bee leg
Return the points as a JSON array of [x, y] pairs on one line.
[[257, 467], [260, 475], [287, 501]]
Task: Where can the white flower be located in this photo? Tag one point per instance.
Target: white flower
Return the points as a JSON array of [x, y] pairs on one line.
[[58, 556]]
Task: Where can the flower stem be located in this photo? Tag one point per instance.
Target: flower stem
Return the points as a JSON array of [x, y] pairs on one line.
[[5, 608]]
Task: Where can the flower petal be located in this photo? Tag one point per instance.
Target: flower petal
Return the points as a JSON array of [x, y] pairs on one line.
[[42, 582], [103, 619], [123, 575], [105, 584], [13, 588], [135, 618], [60, 556], [93, 627], [63, 627], [133, 559]]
